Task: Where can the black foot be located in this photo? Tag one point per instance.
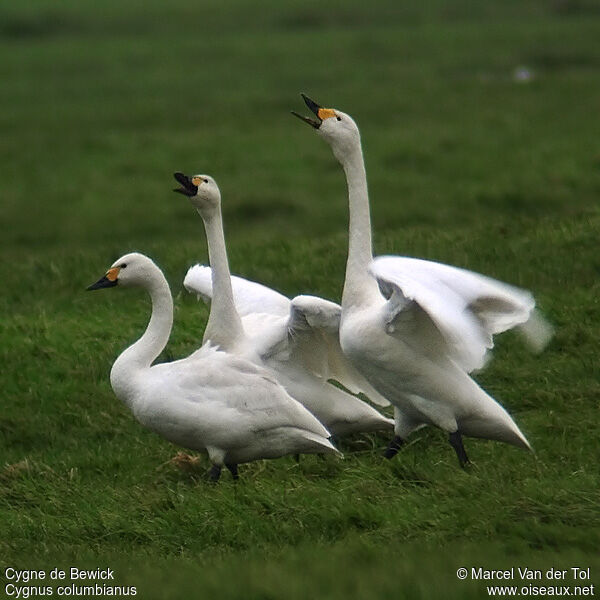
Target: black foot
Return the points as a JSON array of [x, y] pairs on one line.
[[233, 469], [395, 445], [214, 473], [457, 443]]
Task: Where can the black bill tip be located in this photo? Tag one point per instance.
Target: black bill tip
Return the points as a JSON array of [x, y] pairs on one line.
[[103, 282], [187, 187], [311, 122], [312, 105]]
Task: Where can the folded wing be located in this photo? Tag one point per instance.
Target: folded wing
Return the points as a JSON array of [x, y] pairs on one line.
[[231, 395]]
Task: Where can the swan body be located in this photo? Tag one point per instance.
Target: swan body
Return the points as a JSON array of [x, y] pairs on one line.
[[212, 400], [415, 328], [296, 340]]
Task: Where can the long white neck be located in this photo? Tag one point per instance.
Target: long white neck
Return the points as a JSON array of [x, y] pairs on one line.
[[224, 326], [143, 353], [359, 286]]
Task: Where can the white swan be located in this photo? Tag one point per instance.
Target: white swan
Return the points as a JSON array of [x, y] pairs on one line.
[[211, 400], [297, 340], [416, 328]]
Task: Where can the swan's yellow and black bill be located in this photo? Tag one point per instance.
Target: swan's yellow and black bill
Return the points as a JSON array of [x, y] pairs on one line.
[[109, 280], [320, 112], [188, 187]]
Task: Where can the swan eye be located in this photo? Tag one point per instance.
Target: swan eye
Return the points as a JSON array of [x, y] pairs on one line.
[[339, 118], [122, 266], [205, 180]]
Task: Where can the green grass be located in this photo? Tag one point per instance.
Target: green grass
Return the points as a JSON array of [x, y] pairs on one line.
[[101, 102]]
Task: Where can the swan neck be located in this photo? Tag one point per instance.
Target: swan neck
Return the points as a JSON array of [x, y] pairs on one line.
[[140, 355], [358, 282], [224, 326]]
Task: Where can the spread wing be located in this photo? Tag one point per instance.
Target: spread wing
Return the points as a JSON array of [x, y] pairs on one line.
[[453, 311]]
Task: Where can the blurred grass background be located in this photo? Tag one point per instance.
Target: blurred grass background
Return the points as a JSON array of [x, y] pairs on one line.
[[101, 102]]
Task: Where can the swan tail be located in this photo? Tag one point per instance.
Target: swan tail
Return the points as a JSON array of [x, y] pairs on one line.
[[502, 429], [321, 444]]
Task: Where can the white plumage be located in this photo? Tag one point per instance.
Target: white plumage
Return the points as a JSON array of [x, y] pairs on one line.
[[211, 400], [296, 340], [416, 328], [467, 309]]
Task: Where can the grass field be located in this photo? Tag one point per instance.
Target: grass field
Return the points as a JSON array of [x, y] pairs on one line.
[[101, 102]]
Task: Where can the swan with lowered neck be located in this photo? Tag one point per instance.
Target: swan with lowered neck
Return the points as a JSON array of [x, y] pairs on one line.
[[296, 340], [212, 400], [416, 328]]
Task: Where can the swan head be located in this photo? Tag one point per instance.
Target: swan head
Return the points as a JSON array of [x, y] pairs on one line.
[[133, 269], [337, 128], [202, 190]]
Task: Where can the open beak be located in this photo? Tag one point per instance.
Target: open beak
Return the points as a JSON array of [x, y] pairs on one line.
[[314, 107], [187, 187], [109, 280]]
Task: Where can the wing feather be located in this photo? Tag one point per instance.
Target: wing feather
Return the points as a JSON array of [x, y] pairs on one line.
[[249, 297], [314, 325], [452, 310]]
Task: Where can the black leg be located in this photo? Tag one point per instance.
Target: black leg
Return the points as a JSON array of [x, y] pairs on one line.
[[214, 473], [233, 469], [297, 458], [457, 443], [393, 447]]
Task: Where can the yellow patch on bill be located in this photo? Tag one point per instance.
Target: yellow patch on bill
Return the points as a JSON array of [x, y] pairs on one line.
[[326, 113], [196, 181], [113, 273]]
